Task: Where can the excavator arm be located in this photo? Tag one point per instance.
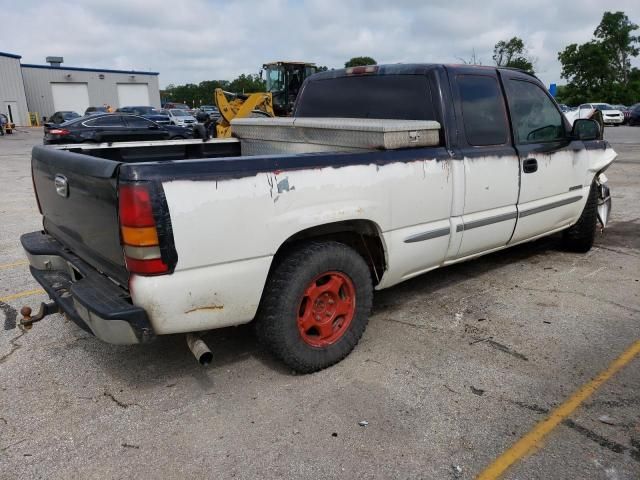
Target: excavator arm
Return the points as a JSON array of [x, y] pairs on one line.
[[239, 108]]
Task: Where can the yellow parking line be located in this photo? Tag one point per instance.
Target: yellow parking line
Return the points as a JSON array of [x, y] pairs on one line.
[[14, 264], [26, 293], [532, 439]]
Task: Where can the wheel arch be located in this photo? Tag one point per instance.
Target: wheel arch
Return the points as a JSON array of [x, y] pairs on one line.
[[364, 236]]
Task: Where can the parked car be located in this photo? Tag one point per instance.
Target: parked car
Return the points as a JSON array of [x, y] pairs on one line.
[[179, 106], [610, 115], [62, 116], [139, 243], [205, 111], [149, 113], [95, 110], [112, 127], [180, 117], [634, 114], [626, 112]]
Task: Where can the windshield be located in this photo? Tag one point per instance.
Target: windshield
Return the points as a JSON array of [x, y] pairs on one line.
[[603, 106], [179, 113]]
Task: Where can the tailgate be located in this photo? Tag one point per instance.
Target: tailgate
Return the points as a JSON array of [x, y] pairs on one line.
[[84, 216]]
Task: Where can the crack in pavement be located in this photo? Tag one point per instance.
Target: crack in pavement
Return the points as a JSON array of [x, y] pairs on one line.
[[10, 316], [634, 450], [14, 348], [501, 347], [585, 295], [119, 402]]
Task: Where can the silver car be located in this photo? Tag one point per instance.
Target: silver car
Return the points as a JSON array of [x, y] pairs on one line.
[[181, 118]]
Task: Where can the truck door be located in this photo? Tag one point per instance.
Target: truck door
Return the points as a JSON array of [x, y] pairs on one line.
[[490, 163], [552, 165]]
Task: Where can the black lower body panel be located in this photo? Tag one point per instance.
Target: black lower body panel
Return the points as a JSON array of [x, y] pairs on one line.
[[89, 298]]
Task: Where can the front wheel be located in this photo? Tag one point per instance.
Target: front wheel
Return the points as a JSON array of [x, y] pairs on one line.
[[580, 236], [315, 306]]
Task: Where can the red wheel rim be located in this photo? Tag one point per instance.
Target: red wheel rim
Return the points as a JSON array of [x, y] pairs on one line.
[[326, 309]]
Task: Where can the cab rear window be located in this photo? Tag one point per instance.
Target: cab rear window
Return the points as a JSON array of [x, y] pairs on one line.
[[398, 97]]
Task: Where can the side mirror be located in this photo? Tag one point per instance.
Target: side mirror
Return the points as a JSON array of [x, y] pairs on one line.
[[586, 129]]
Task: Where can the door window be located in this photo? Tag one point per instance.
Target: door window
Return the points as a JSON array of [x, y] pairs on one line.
[[483, 113], [535, 117], [106, 121], [139, 122]]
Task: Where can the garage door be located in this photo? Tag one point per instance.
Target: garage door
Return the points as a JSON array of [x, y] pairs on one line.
[[70, 96], [133, 94]]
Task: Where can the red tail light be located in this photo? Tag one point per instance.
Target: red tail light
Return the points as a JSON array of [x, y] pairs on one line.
[[135, 206], [59, 131], [138, 230]]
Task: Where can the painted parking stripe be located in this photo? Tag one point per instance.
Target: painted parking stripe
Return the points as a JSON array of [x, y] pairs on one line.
[[26, 293], [546, 426], [14, 264]]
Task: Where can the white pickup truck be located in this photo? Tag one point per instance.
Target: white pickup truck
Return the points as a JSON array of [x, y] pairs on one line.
[[396, 170]]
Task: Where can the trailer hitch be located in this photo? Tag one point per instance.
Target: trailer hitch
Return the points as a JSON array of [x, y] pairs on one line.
[[27, 321]]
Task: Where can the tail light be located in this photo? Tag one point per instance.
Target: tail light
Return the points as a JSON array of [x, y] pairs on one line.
[[59, 131], [138, 230]]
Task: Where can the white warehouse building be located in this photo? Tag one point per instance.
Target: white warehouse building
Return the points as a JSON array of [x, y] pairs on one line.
[[54, 87], [12, 99]]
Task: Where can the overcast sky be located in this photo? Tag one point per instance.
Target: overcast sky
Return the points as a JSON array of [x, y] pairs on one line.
[[195, 40]]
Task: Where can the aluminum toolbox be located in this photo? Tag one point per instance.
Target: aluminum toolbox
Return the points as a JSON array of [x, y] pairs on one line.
[[261, 136]]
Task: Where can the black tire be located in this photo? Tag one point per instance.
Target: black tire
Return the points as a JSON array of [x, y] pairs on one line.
[[177, 137], [285, 299], [580, 236]]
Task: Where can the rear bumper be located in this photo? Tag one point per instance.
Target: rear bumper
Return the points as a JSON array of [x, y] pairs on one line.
[[89, 298]]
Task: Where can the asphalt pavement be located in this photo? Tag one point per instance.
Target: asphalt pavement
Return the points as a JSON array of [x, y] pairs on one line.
[[454, 368]]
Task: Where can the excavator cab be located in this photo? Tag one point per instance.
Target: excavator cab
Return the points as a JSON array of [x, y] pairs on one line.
[[284, 80]]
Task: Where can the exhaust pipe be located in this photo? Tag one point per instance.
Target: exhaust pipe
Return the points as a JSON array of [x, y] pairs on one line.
[[199, 349]]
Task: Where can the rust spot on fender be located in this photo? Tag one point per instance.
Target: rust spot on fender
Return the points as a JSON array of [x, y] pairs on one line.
[[208, 307]]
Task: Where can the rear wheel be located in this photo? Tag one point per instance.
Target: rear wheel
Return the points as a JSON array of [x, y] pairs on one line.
[[315, 306], [580, 237]]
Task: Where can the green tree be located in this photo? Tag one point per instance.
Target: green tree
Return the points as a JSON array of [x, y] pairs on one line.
[[247, 84], [614, 34], [360, 62], [600, 70], [512, 53]]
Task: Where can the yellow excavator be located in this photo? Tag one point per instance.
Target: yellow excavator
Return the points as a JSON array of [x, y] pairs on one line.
[[283, 79]]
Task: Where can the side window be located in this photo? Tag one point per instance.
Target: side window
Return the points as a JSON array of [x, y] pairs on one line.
[[106, 121], [535, 117], [403, 97], [138, 122], [483, 112]]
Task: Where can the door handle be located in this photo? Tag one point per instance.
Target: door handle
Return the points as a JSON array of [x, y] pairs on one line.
[[530, 165]]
